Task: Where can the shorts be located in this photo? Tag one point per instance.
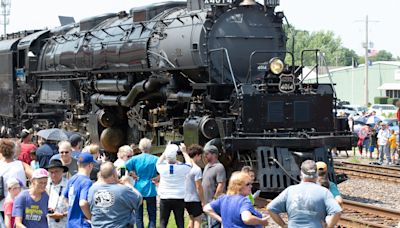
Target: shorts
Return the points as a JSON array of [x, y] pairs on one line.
[[371, 149], [194, 208]]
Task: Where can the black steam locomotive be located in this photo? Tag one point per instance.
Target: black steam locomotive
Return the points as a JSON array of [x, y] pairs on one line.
[[201, 71]]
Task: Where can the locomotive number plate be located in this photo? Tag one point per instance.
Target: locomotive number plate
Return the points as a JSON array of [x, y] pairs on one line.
[[218, 2]]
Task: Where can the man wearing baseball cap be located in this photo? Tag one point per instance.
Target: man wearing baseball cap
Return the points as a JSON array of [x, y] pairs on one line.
[[322, 170], [307, 204], [76, 193], [26, 146], [214, 178]]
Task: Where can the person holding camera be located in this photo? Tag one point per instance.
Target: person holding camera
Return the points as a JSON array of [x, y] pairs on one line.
[[58, 209], [113, 201], [172, 186]]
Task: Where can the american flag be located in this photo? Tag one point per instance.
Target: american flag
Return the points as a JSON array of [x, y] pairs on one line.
[[372, 52]]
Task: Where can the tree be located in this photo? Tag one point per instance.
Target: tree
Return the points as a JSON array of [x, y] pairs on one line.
[[382, 55], [329, 45]]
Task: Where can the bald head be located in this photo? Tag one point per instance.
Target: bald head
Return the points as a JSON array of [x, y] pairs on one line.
[[107, 170]]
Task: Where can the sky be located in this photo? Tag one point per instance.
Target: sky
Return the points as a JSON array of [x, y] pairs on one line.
[[346, 18]]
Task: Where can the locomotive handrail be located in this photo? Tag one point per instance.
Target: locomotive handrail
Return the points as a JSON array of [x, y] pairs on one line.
[[165, 58], [316, 61], [170, 63], [265, 51], [230, 66], [317, 51], [329, 76]]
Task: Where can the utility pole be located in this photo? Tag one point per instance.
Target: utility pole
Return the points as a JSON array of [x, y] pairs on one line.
[[366, 61], [5, 12], [366, 45]]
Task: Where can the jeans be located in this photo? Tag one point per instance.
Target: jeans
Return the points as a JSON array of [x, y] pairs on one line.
[[151, 203], [384, 149], [175, 205]]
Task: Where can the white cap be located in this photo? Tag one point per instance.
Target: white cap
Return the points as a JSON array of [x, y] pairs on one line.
[[170, 152]]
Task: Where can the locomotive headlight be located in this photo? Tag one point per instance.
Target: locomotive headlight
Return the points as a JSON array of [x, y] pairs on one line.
[[276, 65]]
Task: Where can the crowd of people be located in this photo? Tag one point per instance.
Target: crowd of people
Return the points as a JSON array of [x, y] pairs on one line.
[[61, 184], [375, 136]]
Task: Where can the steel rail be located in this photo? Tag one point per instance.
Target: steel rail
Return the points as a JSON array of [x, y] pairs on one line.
[[369, 171], [357, 223], [371, 209], [383, 217], [386, 169]]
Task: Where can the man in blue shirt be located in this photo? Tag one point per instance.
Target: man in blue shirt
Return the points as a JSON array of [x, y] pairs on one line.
[[144, 167], [307, 204], [76, 193], [113, 205]]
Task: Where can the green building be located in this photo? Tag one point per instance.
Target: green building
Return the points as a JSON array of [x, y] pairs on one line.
[[383, 80]]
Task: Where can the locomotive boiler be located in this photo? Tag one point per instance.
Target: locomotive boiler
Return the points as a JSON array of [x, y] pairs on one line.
[[201, 71]]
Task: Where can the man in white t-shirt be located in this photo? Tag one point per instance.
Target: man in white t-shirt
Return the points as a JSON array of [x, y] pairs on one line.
[[172, 184], [383, 137]]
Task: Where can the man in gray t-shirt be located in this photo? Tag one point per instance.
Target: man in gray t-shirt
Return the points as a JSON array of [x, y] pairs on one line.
[[113, 205], [214, 175], [65, 156], [307, 204]]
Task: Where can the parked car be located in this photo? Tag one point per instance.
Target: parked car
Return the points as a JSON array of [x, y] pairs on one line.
[[358, 108], [342, 110], [386, 110]]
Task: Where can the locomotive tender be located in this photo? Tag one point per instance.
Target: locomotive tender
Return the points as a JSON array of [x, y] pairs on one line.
[[202, 71]]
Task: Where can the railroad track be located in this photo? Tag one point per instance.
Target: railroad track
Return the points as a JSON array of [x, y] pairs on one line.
[[369, 171], [356, 215]]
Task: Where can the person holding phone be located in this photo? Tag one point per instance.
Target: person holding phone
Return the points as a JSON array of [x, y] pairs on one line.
[[172, 186]]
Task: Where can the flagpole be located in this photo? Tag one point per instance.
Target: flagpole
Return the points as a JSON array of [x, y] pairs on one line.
[[366, 61]]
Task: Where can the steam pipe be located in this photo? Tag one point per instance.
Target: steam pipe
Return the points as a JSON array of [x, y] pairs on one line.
[[145, 86], [137, 89]]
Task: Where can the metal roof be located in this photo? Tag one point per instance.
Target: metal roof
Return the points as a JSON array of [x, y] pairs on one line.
[[389, 86]]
